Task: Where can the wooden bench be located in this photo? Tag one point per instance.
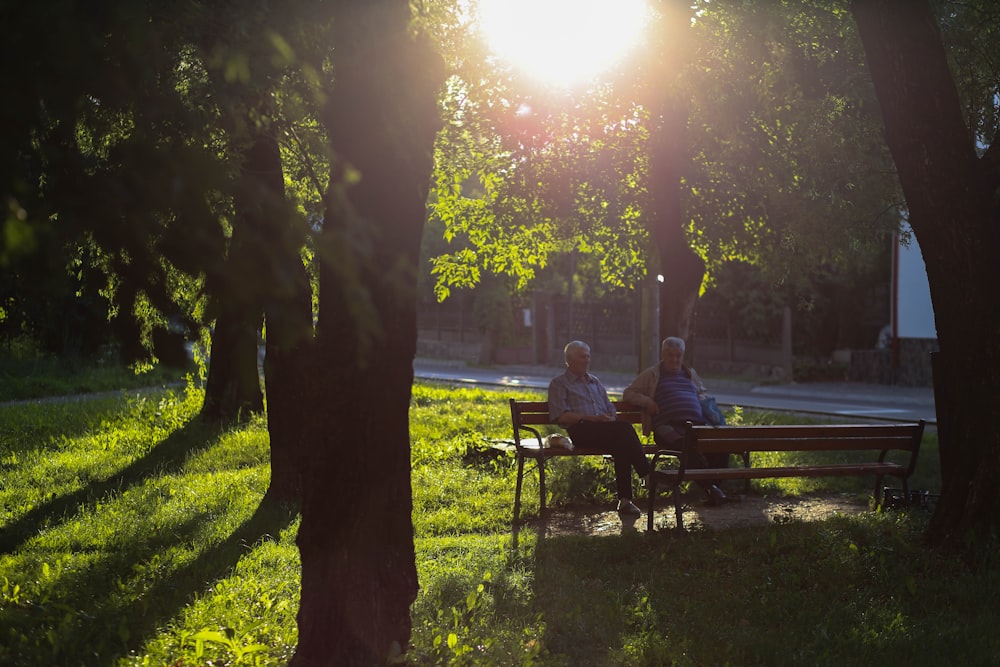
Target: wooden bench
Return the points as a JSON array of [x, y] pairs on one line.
[[880, 438], [527, 417]]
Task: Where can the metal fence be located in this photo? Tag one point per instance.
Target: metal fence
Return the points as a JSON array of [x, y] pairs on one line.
[[541, 325]]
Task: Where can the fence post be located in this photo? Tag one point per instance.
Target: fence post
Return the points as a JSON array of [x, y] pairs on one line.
[[649, 322]]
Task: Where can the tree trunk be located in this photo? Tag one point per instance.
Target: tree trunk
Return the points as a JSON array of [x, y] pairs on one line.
[[356, 537], [682, 269], [233, 389], [287, 301], [951, 197]]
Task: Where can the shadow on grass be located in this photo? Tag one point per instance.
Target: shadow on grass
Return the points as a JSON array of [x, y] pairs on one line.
[[600, 595], [172, 593], [165, 457], [846, 589], [110, 619], [94, 608]]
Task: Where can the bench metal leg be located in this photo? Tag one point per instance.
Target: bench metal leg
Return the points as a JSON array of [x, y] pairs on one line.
[[517, 491], [880, 492], [541, 485], [678, 509], [651, 490], [520, 483], [746, 464]]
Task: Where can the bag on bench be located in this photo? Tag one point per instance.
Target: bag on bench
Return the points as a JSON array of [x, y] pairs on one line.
[[713, 415], [558, 440]]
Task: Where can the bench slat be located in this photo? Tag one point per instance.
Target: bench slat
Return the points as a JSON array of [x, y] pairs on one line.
[[815, 431], [533, 449], [739, 444], [535, 413], [834, 469], [790, 438]]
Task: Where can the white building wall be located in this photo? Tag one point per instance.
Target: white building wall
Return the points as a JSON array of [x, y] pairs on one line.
[[914, 313]]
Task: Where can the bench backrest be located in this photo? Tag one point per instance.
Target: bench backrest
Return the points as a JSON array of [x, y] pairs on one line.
[[791, 438], [537, 412]]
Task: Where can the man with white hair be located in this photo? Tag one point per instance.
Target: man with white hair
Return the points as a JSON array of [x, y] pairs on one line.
[[579, 403], [670, 395]]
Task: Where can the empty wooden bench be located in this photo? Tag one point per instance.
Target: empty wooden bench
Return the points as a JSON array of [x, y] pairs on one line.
[[527, 418], [879, 439]]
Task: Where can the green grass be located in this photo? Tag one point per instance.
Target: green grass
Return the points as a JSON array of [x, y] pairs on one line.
[[131, 535], [39, 377]]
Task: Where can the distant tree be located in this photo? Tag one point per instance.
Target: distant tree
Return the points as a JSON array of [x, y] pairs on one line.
[[248, 55], [950, 175]]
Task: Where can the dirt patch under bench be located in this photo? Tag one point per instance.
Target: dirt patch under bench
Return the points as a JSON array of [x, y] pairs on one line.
[[739, 511]]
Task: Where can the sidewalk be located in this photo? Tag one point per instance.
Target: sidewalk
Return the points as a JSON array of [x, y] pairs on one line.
[[920, 398], [852, 390]]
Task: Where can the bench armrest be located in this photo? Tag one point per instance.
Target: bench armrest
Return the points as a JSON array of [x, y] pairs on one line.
[[529, 429], [661, 453]]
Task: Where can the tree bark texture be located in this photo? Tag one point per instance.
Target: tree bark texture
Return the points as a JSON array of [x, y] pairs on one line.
[[233, 388], [682, 269], [287, 300], [951, 194], [356, 536]]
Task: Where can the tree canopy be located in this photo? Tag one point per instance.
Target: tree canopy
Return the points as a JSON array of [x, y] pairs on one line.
[[781, 163]]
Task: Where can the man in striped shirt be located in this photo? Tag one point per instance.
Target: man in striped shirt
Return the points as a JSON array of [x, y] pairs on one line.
[[670, 393]]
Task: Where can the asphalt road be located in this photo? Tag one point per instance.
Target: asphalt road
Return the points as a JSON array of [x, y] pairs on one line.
[[836, 399]]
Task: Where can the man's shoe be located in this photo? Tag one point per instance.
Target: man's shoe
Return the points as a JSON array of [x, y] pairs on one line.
[[626, 507], [716, 496]]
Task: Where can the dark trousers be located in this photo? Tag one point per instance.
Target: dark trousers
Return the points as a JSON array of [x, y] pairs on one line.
[[670, 437], [619, 440]]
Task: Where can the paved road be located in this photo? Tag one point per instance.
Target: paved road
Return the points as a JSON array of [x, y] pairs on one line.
[[840, 399]]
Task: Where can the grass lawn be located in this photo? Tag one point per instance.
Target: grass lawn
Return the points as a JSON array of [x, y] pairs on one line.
[[40, 377], [131, 535]]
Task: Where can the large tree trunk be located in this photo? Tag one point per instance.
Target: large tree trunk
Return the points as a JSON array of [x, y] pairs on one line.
[[356, 537], [951, 197], [682, 269]]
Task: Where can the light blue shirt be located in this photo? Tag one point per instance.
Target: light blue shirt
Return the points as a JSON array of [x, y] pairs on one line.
[[586, 396]]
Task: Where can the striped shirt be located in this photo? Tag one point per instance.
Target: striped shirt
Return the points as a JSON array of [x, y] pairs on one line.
[[676, 400]]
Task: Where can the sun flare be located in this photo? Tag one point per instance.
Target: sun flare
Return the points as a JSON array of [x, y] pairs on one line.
[[562, 42]]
